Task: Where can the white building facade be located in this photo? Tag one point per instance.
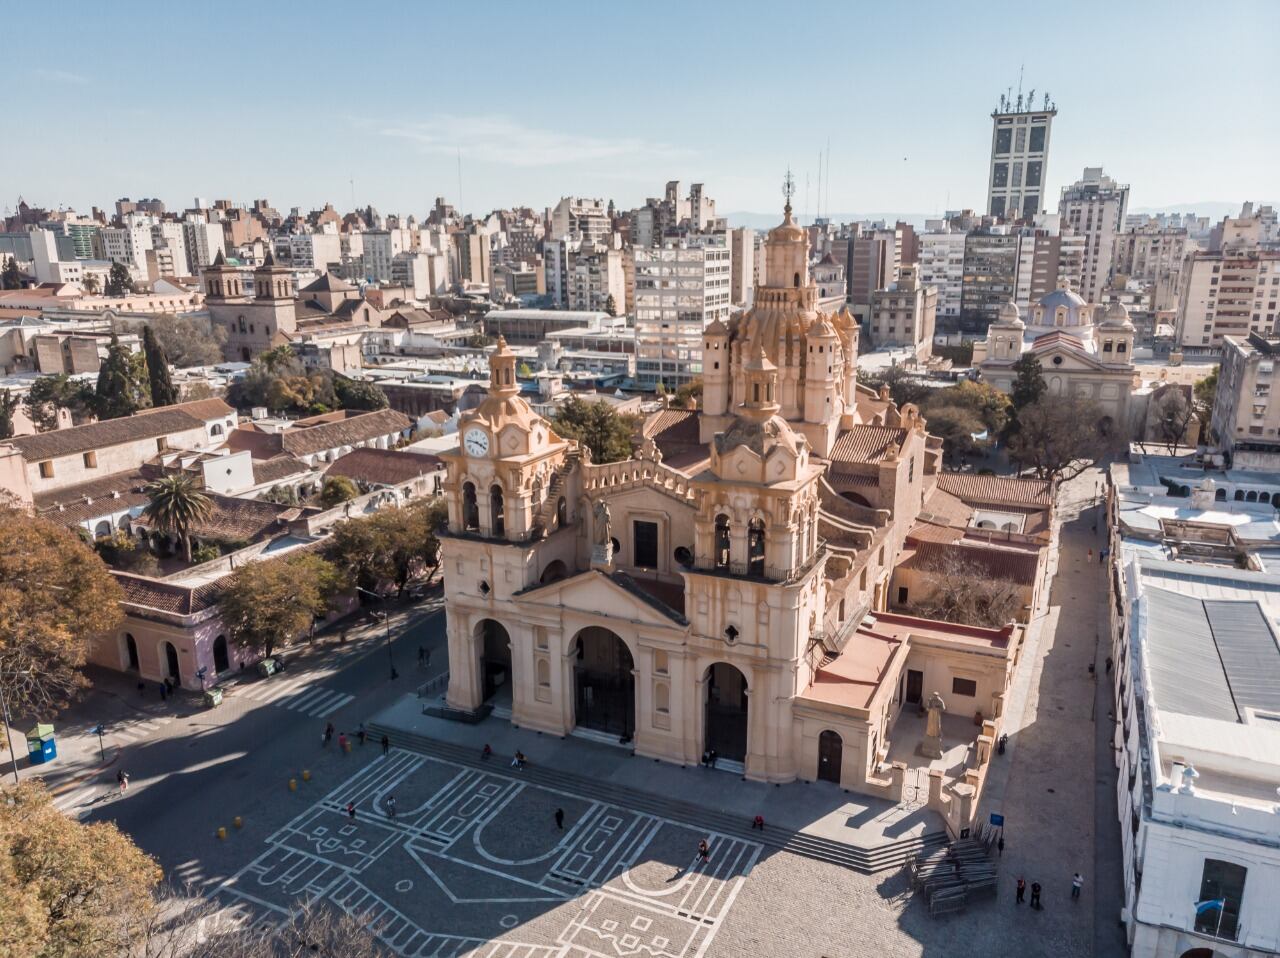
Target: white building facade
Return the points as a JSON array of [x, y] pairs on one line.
[[681, 289]]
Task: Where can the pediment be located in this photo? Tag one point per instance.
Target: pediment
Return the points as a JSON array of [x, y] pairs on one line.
[[595, 592]]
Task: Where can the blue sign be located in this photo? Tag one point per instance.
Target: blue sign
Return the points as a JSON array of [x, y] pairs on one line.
[[997, 820]]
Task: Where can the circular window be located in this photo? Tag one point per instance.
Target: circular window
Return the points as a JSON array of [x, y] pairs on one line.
[[683, 556], [1057, 360]]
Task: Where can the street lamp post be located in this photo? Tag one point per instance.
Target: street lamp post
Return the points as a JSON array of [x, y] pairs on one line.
[[386, 618], [8, 731]]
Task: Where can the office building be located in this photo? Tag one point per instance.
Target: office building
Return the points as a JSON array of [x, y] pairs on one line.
[[681, 288], [1094, 207], [942, 267], [1019, 166]]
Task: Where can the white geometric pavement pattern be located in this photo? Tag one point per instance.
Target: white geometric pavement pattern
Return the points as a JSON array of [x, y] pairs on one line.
[[468, 864]]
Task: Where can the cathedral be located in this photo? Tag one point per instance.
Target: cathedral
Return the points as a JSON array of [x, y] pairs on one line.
[[726, 590]]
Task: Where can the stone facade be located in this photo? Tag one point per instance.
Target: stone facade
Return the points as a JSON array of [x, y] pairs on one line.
[[711, 594]]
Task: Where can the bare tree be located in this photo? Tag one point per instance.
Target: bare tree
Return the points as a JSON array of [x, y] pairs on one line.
[[963, 592], [1173, 414], [1059, 436], [193, 927]]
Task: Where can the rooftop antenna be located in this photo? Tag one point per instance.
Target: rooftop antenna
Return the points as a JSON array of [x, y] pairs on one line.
[[806, 197], [819, 213], [460, 206], [826, 203]]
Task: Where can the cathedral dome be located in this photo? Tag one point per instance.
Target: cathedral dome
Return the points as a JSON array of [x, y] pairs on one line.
[[788, 231], [1063, 308], [1009, 315]]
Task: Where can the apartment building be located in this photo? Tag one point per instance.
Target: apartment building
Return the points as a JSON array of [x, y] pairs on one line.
[[1094, 207], [1246, 409], [588, 218], [471, 253], [990, 275], [942, 266], [877, 254], [904, 314], [681, 288], [594, 277], [1150, 253], [204, 241], [1046, 258], [1227, 294], [742, 246]]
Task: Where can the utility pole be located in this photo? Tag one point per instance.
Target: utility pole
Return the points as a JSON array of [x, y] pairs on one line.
[[8, 731]]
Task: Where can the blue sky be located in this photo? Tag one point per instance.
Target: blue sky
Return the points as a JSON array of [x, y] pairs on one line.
[[291, 101]]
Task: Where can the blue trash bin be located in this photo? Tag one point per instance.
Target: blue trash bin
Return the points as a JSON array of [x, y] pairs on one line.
[[41, 745]]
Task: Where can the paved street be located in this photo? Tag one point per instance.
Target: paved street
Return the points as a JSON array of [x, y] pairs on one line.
[[473, 861]]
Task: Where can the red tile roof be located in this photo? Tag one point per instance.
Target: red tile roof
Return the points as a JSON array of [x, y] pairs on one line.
[[868, 444], [384, 467], [997, 490], [1017, 566]]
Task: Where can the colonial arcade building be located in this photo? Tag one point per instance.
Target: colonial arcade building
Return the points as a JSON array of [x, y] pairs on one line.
[[725, 589]]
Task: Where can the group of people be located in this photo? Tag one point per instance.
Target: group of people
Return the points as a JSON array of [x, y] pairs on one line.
[[361, 736], [1077, 883]]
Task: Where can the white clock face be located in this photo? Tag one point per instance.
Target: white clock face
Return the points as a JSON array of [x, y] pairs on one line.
[[476, 442]]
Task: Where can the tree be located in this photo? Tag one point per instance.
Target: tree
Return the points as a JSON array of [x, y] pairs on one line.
[[8, 403], [1173, 413], [955, 426], [1205, 394], [389, 546], [611, 305], [524, 371], [282, 495], [119, 282], [163, 392], [961, 591], [1058, 436], [70, 889], [1028, 385], [271, 604], [187, 341], [90, 283], [687, 394], [278, 359], [123, 386], [358, 393], [56, 597], [11, 278], [903, 386], [176, 505], [337, 489], [597, 425], [480, 341], [49, 394]]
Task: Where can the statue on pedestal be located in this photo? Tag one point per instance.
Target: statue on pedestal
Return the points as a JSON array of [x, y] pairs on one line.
[[931, 745], [601, 536]]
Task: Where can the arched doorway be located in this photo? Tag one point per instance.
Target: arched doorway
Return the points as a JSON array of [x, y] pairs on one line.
[[497, 523], [725, 714], [755, 547], [830, 752], [604, 683], [172, 669], [470, 509], [495, 657], [554, 572], [131, 649], [221, 661]]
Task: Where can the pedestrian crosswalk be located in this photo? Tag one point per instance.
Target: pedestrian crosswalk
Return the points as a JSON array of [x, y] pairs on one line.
[[127, 732], [296, 694], [80, 801]]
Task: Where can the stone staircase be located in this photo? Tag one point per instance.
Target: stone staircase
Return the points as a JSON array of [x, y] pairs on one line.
[[855, 857]]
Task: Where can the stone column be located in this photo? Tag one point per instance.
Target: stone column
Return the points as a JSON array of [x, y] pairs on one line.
[[465, 690]]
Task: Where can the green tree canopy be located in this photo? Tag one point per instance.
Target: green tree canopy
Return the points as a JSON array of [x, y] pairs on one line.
[[598, 426], [48, 394], [269, 605], [1058, 436], [337, 489], [163, 392], [11, 278], [686, 394], [988, 404], [1028, 385], [119, 282], [56, 596], [389, 546], [904, 387], [123, 383], [358, 393], [175, 505], [8, 403], [955, 426], [1205, 394], [611, 305]]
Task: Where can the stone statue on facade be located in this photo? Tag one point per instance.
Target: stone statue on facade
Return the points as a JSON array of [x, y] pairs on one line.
[[602, 537]]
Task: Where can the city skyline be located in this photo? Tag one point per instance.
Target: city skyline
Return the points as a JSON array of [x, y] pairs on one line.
[[505, 122]]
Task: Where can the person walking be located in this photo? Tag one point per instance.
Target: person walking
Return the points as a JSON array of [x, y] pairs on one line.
[[328, 732], [704, 851], [486, 753], [391, 806], [711, 756], [361, 734], [122, 779], [560, 819], [1000, 845], [1110, 664], [1077, 882], [757, 822], [351, 810], [386, 745], [517, 760], [423, 657], [342, 742], [1035, 896], [1022, 891]]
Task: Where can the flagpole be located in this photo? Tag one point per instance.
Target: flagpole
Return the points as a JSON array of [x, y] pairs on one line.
[[1222, 906]]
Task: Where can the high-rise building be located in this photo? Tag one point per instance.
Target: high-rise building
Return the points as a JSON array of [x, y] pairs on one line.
[[586, 218], [1094, 207], [204, 241], [904, 313], [742, 247], [681, 289], [1019, 163], [1227, 294], [1246, 413], [942, 266], [990, 275]]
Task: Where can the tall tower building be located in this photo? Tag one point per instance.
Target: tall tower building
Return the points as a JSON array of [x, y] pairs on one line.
[[1019, 155], [1094, 207]]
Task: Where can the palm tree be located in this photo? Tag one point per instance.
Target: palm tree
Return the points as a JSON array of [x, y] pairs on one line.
[[177, 504]]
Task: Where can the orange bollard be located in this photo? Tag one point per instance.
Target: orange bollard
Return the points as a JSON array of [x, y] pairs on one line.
[[306, 775], [237, 822], [293, 784], [222, 831]]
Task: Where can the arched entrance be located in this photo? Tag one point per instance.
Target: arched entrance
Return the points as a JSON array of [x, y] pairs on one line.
[[604, 683], [131, 649], [221, 661], [171, 663], [830, 752], [495, 657], [725, 714]]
